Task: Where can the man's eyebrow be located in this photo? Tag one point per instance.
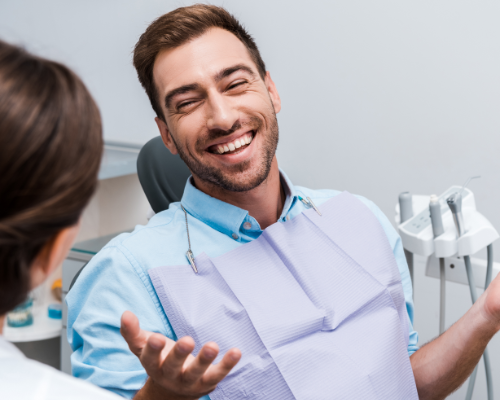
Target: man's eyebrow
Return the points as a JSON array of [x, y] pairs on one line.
[[231, 70], [180, 90]]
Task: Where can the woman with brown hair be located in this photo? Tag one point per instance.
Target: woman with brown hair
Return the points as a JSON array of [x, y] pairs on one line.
[[50, 151]]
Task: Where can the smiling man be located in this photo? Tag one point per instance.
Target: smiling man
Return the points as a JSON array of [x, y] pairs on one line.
[[306, 293]]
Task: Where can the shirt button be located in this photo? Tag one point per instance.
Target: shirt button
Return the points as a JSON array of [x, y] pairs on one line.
[[247, 225], [235, 236], [288, 218]]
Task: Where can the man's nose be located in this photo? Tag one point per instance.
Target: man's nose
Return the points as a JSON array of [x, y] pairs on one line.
[[221, 115]]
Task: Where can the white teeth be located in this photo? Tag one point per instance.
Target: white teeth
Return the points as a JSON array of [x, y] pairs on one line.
[[236, 144]]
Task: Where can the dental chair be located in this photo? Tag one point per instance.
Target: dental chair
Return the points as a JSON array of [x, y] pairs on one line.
[[162, 175]]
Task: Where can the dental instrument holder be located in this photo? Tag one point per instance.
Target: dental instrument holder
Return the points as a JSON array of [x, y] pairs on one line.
[[418, 237], [459, 215]]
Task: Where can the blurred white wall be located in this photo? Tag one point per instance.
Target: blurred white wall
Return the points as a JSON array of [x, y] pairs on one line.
[[378, 97]]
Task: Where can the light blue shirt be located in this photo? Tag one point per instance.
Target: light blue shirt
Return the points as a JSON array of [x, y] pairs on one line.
[[116, 279]]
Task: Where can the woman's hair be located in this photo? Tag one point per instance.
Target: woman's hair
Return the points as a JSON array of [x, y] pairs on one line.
[[50, 151]]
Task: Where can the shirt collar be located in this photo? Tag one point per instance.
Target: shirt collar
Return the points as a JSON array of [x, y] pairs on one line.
[[223, 216], [291, 195]]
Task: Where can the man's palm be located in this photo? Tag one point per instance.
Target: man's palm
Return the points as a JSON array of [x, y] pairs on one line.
[[171, 365]]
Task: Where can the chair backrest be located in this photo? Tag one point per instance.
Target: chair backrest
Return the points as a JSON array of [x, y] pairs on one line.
[[162, 175]]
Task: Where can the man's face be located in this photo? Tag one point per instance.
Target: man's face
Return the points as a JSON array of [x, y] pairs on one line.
[[220, 115]]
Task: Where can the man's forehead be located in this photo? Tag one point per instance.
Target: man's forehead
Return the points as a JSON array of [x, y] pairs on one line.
[[199, 60]]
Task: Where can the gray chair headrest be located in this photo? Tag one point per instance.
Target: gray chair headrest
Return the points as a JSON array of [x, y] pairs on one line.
[[162, 175]]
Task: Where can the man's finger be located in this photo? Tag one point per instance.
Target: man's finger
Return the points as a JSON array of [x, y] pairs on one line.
[[218, 372], [199, 365], [152, 355], [135, 337], [174, 362]]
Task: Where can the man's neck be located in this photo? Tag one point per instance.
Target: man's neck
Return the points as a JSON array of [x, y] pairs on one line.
[[264, 203], [2, 321]]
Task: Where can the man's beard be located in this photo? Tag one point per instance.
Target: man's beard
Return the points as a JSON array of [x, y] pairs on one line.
[[217, 177]]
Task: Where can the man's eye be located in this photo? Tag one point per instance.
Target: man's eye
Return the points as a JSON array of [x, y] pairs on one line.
[[185, 104], [236, 85]]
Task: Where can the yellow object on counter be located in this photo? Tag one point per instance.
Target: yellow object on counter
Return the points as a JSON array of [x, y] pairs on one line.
[[57, 289]]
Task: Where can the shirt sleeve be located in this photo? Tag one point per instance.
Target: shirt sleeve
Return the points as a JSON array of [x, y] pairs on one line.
[[109, 285], [397, 249]]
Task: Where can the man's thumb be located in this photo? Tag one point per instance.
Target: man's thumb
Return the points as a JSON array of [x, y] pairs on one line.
[[132, 333]]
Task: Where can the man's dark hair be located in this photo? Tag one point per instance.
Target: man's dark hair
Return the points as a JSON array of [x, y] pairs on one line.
[[178, 27], [50, 152]]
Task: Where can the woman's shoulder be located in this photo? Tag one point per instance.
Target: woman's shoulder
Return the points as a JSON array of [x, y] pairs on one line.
[[22, 378]]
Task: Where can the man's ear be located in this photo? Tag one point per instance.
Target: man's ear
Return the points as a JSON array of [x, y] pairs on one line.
[[166, 135], [273, 93], [52, 255]]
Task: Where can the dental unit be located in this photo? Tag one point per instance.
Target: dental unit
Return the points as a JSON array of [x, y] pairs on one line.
[[447, 227]]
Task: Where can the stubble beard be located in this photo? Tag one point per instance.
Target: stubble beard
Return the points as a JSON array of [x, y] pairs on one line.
[[229, 182]]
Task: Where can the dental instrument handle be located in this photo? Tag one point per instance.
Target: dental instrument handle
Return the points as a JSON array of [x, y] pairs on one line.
[[455, 204], [459, 223], [436, 219], [437, 230], [405, 206], [405, 213]]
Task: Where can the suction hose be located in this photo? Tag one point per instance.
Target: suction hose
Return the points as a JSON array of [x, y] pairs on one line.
[[473, 294]]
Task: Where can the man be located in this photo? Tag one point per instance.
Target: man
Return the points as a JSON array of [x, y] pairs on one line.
[[216, 106]]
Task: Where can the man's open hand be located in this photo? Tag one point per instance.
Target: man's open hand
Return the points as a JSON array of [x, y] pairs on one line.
[[175, 372]]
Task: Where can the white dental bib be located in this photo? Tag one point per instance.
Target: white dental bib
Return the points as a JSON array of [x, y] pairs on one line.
[[298, 302]]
